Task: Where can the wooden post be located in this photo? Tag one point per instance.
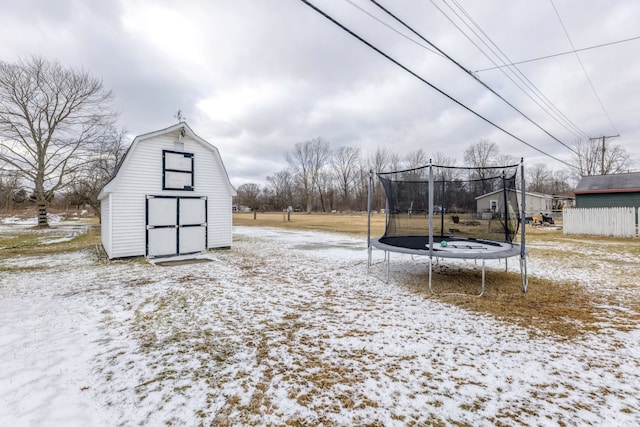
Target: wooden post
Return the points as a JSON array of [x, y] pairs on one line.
[[602, 156]]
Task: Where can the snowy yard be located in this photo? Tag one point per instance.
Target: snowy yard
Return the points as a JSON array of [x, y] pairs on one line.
[[286, 328]]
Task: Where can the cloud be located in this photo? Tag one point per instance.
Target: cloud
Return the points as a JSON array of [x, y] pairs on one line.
[[254, 78]]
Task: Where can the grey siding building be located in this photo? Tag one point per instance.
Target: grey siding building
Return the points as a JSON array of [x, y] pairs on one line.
[[616, 190]]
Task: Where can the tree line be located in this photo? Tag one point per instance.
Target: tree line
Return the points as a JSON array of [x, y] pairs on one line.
[[60, 143], [319, 179]]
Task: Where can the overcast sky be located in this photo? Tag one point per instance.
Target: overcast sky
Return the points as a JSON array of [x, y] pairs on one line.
[[254, 77]]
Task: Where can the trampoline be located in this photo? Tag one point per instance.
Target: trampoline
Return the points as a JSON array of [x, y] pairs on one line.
[[451, 212]]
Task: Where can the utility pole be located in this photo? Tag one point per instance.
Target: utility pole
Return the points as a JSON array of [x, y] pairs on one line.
[[604, 138]]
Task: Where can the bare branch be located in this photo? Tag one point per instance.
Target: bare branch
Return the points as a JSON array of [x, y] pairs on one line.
[[50, 116]]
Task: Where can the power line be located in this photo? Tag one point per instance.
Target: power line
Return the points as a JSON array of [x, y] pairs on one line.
[[380, 52], [517, 73], [582, 66], [401, 34], [469, 73], [557, 54], [514, 70]]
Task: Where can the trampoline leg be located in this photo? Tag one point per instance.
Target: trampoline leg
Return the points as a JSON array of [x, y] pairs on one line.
[[430, 289], [482, 292], [523, 275], [388, 257]]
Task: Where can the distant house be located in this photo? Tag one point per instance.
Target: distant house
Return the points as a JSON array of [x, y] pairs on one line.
[[535, 203], [170, 195], [563, 200], [615, 190], [240, 208]]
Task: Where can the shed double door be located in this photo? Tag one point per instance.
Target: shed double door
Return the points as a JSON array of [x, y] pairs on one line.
[[175, 225]]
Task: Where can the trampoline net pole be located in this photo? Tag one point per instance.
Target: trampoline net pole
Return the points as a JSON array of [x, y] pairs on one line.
[[442, 205], [430, 209], [524, 210], [369, 208], [523, 251], [505, 208]]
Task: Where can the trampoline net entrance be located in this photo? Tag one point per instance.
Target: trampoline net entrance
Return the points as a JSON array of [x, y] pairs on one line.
[[454, 202]]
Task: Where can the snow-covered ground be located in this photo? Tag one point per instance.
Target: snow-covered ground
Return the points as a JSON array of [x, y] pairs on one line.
[[287, 328]]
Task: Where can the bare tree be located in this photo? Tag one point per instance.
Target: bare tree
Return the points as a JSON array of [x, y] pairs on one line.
[[538, 178], [506, 160], [562, 182], [267, 198], [345, 167], [248, 194], [480, 155], [326, 190], [380, 161], [307, 160], [587, 157], [394, 162], [361, 186], [48, 116], [593, 157], [104, 155], [417, 159], [441, 159], [10, 190], [282, 186]]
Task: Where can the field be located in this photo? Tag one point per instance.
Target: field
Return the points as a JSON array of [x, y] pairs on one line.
[[286, 328], [559, 304]]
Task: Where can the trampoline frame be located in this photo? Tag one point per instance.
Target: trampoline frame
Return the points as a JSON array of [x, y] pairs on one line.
[[431, 251]]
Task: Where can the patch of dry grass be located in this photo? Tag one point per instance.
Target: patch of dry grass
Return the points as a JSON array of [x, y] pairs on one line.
[[564, 309], [348, 223], [30, 241]]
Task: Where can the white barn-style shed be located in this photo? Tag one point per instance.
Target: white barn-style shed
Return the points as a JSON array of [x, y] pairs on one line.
[[170, 195]]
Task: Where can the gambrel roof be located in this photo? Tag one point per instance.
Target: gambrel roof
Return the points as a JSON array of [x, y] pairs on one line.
[[182, 128]]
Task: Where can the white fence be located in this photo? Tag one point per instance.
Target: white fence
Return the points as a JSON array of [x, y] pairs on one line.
[[614, 222]]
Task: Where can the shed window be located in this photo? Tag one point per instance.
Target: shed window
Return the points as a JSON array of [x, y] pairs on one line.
[[177, 171]]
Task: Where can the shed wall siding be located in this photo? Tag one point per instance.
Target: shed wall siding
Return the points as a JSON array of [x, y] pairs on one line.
[[105, 224], [143, 176], [210, 181], [606, 200]]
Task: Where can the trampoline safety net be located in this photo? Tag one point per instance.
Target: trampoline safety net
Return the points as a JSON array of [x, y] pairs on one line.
[[471, 203]]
